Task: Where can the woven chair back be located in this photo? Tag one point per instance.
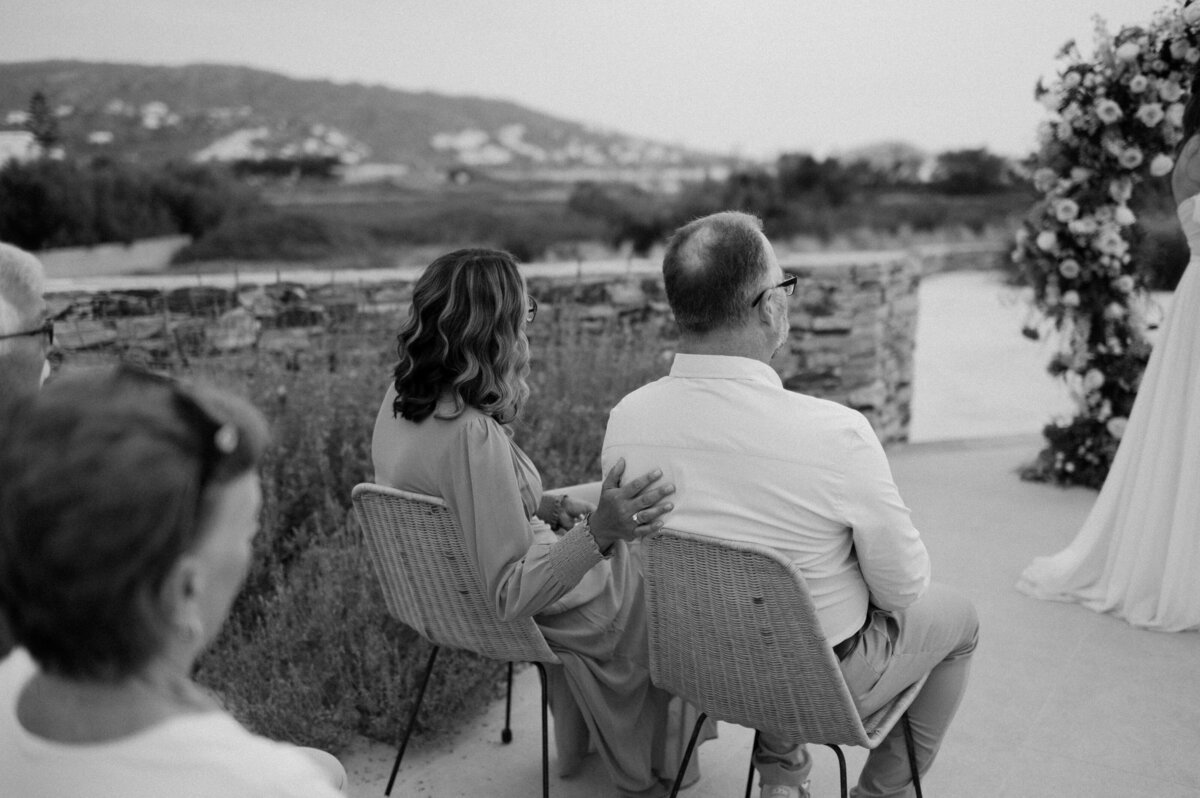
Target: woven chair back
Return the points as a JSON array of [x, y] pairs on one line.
[[430, 582], [733, 630]]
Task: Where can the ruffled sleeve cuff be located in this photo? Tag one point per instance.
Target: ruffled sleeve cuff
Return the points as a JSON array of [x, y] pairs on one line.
[[574, 555]]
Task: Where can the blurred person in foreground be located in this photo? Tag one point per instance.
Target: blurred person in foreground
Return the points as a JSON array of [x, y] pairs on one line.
[[443, 430], [755, 462], [26, 335], [128, 503]]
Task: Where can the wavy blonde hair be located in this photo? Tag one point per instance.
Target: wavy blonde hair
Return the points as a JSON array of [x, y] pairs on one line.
[[465, 338]]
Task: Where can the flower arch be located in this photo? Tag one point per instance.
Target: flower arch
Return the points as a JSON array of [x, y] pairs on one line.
[[1114, 120]]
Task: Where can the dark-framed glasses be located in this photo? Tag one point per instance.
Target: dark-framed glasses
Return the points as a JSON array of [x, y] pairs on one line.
[[46, 330], [788, 286], [531, 313]]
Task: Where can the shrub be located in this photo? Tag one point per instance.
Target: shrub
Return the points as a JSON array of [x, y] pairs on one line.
[[271, 235]]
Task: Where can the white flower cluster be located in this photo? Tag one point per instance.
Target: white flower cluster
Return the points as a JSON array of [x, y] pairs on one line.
[[1114, 119]]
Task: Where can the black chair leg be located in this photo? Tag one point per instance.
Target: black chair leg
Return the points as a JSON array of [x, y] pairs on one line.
[[506, 735], [545, 729], [750, 775], [841, 769], [687, 755], [412, 721], [912, 755]]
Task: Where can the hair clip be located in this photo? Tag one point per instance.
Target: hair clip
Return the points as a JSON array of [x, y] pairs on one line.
[[226, 439]]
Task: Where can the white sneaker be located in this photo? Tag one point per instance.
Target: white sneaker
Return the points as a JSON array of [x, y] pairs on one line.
[[784, 791]]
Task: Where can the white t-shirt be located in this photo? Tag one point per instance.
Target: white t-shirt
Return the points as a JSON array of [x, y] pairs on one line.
[[203, 755]]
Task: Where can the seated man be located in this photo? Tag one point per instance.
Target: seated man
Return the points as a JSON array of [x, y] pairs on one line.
[[752, 461]]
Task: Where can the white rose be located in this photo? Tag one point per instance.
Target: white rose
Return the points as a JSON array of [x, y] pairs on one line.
[[1046, 133], [1179, 47], [1116, 426], [1069, 268], [1129, 51], [1175, 114], [1093, 380], [1070, 299], [1131, 158], [1124, 284], [1150, 114], [1047, 241], [1083, 227], [1050, 100], [1065, 210], [1124, 216], [1114, 311], [1120, 190], [1191, 13], [1170, 91], [1161, 165], [1192, 55], [1138, 84], [1072, 80], [1107, 111], [1110, 242], [1044, 179]]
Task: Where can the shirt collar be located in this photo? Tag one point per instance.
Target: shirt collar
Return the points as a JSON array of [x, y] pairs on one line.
[[724, 367]]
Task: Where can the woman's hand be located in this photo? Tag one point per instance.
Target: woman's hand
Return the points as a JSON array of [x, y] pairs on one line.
[[629, 511]]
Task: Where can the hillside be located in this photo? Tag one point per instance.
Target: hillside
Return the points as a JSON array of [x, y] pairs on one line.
[[221, 112]]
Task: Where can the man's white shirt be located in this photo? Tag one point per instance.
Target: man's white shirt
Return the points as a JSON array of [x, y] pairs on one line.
[[753, 461]]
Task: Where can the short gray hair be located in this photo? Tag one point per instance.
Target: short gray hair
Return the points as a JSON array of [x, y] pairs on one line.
[[711, 268]]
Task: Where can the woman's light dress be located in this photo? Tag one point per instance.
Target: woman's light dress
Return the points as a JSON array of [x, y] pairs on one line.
[[1138, 554]]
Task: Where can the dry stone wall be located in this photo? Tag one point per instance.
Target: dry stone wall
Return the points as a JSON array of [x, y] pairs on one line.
[[853, 319]]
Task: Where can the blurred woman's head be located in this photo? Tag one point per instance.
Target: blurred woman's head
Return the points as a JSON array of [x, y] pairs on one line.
[[465, 338], [127, 506]]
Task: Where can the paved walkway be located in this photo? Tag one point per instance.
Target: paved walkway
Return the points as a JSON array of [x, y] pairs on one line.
[[1063, 702]]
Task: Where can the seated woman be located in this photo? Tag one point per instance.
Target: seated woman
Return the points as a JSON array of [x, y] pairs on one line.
[[443, 430], [127, 508]]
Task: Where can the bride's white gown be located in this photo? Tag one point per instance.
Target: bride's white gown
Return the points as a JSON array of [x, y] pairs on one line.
[[1138, 554]]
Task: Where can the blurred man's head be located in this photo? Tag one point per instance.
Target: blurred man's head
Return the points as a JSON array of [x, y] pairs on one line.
[[24, 333]]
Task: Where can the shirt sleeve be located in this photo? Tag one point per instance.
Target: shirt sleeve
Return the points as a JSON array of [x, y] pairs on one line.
[[891, 555], [522, 577]]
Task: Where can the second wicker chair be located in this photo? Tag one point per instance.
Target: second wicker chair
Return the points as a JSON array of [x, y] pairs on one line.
[[733, 630]]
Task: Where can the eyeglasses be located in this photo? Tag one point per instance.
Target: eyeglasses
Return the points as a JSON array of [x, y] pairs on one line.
[[46, 330], [531, 314], [788, 286]]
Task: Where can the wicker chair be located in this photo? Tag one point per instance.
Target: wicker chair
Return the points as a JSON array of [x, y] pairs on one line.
[[430, 584], [733, 630]]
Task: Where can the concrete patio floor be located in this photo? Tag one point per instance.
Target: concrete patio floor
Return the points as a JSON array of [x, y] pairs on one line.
[[1062, 701]]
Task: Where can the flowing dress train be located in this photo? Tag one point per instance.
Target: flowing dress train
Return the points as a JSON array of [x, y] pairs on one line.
[[1137, 555]]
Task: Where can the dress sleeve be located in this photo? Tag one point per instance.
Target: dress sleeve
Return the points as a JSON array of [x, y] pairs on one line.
[[891, 555], [523, 577]]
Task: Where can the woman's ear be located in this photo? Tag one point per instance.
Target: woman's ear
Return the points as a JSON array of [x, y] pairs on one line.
[[180, 595]]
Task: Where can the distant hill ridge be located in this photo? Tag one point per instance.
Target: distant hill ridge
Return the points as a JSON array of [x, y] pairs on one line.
[[223, 112]]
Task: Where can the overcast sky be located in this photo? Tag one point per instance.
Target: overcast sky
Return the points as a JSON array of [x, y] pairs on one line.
[[754, 77]]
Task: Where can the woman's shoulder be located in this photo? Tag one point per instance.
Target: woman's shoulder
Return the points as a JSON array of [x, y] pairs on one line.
[[1185, 179]]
